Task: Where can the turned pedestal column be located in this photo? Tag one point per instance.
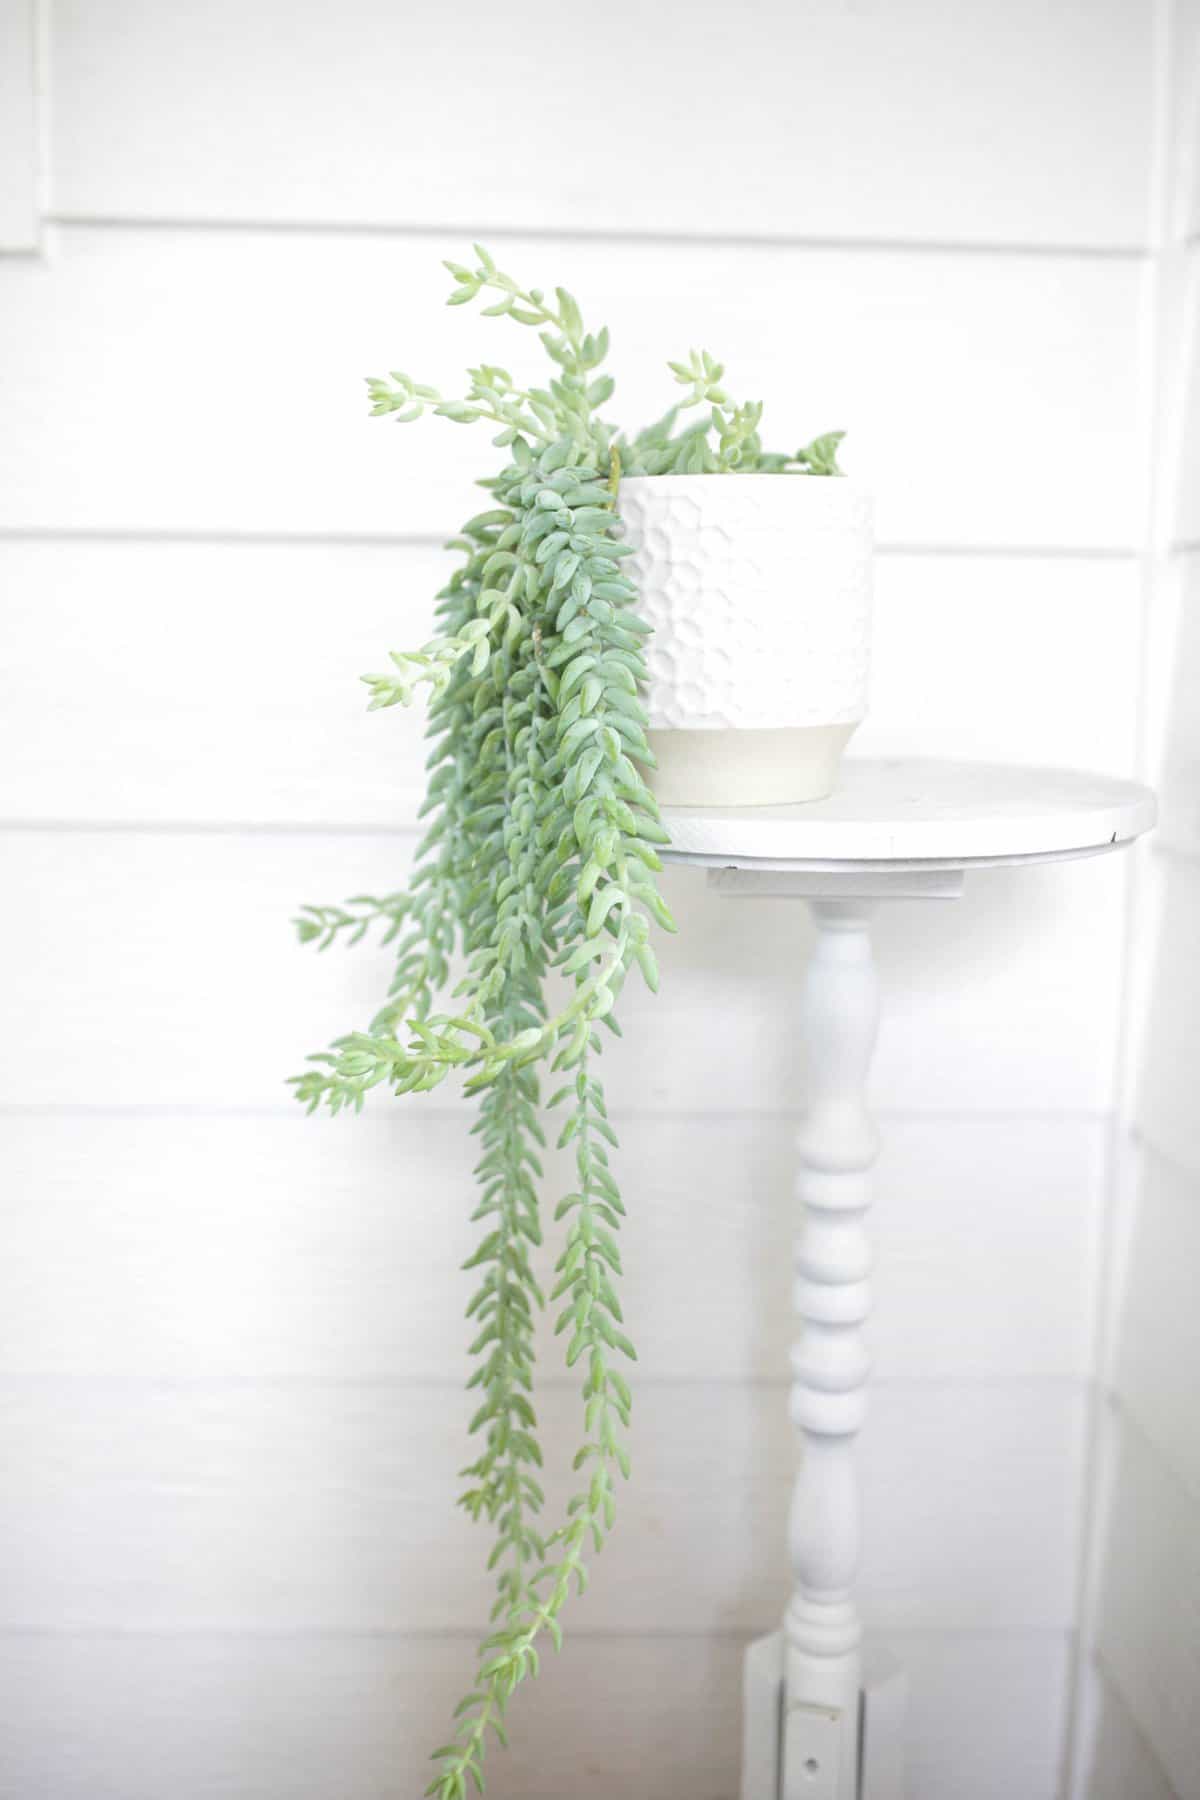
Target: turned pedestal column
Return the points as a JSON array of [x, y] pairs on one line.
[[836, 1146], [824, 1719]]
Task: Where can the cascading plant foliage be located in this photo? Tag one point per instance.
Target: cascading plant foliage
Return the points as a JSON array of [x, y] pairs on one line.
[[537, 875]]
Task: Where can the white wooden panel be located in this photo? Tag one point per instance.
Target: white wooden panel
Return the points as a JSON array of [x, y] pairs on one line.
[[291, 1506], [1118, 1763], [213, 380], [185, 1247], [1159, 1325], [1186, 396], [829, 121], [1167, 1113], [1172, 295], [1150, 1604], [263, 717], [1180, 777], [978, 658], [964, 1695], [1185, 114], [653, 1719], [18, 127], [181, 982]]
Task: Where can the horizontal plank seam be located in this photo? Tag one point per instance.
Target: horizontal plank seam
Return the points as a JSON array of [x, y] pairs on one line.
[[307, 828], [1012, 552], [862, 243], [212, 828], [436, 540], [621, 1115], [89, 1381], [453, 1634]]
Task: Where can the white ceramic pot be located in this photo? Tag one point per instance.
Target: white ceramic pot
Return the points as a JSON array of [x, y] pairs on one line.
[[758, 588]]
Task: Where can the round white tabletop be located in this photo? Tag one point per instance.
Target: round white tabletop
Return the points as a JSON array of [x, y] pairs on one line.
[[933, 814]]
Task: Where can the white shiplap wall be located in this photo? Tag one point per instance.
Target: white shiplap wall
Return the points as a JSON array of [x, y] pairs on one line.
[[230, 1371], [20, 172], [1141, 1626]]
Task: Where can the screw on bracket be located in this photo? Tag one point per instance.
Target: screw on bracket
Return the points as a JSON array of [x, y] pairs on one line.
[[813, 1737]]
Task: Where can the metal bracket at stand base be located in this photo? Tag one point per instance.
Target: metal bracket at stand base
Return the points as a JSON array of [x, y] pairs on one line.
[[793, 1753]]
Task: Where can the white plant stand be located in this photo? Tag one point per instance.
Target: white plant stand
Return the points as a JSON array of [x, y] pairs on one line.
[[819, 1722]]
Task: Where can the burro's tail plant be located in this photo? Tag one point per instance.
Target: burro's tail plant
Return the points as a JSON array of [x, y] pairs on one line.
[[538, 874]]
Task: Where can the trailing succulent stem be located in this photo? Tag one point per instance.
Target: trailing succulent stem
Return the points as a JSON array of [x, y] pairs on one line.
[[536, 879], [592, 1317]]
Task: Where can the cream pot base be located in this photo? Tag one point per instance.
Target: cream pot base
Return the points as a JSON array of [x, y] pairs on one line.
[[757, 592], [747, 767]]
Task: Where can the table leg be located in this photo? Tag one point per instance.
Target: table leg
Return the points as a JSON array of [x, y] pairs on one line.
[[820, 1722], [836, 1147]]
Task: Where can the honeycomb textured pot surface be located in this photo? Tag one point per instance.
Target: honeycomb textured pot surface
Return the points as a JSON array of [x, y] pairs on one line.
[[758, 589]]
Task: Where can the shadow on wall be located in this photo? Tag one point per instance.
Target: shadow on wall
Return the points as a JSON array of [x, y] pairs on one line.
[[1148, 1605], [1123, 1765]]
